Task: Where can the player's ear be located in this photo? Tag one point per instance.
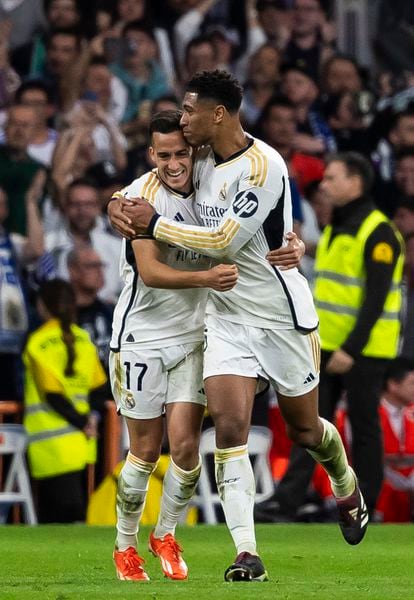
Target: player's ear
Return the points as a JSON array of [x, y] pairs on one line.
[[151, 154], [219, 113]]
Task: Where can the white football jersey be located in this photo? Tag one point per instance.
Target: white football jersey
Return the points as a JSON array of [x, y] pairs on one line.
[[155, 318], [245, 206]]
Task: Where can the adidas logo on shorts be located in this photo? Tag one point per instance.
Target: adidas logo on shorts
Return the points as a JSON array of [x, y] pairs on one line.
[[309, 378]]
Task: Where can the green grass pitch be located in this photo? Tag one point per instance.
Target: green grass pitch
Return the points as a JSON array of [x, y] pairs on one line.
[[304, 562]]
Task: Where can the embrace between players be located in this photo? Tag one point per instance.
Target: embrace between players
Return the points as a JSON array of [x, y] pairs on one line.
[[257, 310]]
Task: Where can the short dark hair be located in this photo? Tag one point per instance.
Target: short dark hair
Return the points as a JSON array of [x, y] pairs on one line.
[[356, 164], [198, 41], [397, 117], [33, 84], [278, 100], [81, 182], [139, 25], [166, 121], [219, 86], [69, 31], [398, 369]]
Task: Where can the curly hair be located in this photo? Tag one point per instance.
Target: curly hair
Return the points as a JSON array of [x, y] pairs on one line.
[[219, 86]]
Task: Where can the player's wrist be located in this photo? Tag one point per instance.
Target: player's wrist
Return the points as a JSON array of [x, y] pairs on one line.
[[152, 224]]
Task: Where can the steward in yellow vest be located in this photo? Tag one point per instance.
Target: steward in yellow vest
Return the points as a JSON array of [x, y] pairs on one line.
[[62, 370], [358, 305]]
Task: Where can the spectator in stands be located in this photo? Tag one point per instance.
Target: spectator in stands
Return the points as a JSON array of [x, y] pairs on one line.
[[396, 410], [17, 252], [17, 169], [200, 55], [341, 73], [314, 135], [111, 94], [37, 95], [81, 211], [400, 135], [63, 65], [275, 18], [262, 79], [86, 274], [63, 378], [92, 137], [404, 216], [108, 180], [357, 342], [30, 57], [139, 69], [278, 127], [346, 116], [399, 191], [310, 44]]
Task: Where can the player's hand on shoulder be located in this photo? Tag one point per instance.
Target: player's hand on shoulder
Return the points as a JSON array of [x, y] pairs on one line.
[[119, 220], [289, 256], [222, 278], [140, 213]]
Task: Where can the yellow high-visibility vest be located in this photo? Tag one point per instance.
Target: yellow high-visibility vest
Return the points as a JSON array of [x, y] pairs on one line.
[[56, 446], [340, 290]]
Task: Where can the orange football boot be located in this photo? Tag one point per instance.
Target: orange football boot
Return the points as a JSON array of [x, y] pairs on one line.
[[169, 553], [128, 565]]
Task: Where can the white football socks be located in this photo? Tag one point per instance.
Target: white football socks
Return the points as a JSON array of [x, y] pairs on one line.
[[130, 499], [236, 488], [332, 456], [178, 489]]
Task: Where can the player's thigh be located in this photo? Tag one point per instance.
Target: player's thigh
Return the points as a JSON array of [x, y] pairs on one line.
[[139, 383], [290, 359], [184, 364]]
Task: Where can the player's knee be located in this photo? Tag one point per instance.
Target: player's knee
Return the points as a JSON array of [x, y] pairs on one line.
[[231, 433], [185, 453], [306, 437]]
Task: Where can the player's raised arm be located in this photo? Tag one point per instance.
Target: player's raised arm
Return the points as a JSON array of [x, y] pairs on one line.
[[157, 274], [247, 212]]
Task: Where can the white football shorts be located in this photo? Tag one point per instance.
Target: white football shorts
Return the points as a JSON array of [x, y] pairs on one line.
[[287, 358], [144, 381]]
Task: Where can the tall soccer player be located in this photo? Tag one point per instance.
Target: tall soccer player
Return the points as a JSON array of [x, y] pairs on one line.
[[266, 325]]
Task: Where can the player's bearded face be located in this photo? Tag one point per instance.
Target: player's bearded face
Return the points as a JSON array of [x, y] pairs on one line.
[[197, 120], [172, 156]]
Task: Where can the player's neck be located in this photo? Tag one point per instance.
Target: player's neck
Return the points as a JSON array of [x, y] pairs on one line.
[[229, 141]]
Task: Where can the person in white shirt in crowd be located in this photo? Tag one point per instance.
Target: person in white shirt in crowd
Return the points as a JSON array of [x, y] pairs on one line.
[[81, 212]]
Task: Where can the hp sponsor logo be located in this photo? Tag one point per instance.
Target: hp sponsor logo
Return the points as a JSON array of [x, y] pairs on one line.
[[245, 204]]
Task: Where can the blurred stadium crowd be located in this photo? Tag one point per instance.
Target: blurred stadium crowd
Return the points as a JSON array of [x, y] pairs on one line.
[[79, 82]]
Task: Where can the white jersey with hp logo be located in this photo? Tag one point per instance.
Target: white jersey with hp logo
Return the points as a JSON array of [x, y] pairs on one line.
[[245, 206]]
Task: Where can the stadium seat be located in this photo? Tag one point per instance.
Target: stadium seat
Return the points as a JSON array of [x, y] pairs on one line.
[[13, 441], [259, 443]]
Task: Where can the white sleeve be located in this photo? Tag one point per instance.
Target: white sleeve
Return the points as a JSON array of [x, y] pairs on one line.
[[247, 212]]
